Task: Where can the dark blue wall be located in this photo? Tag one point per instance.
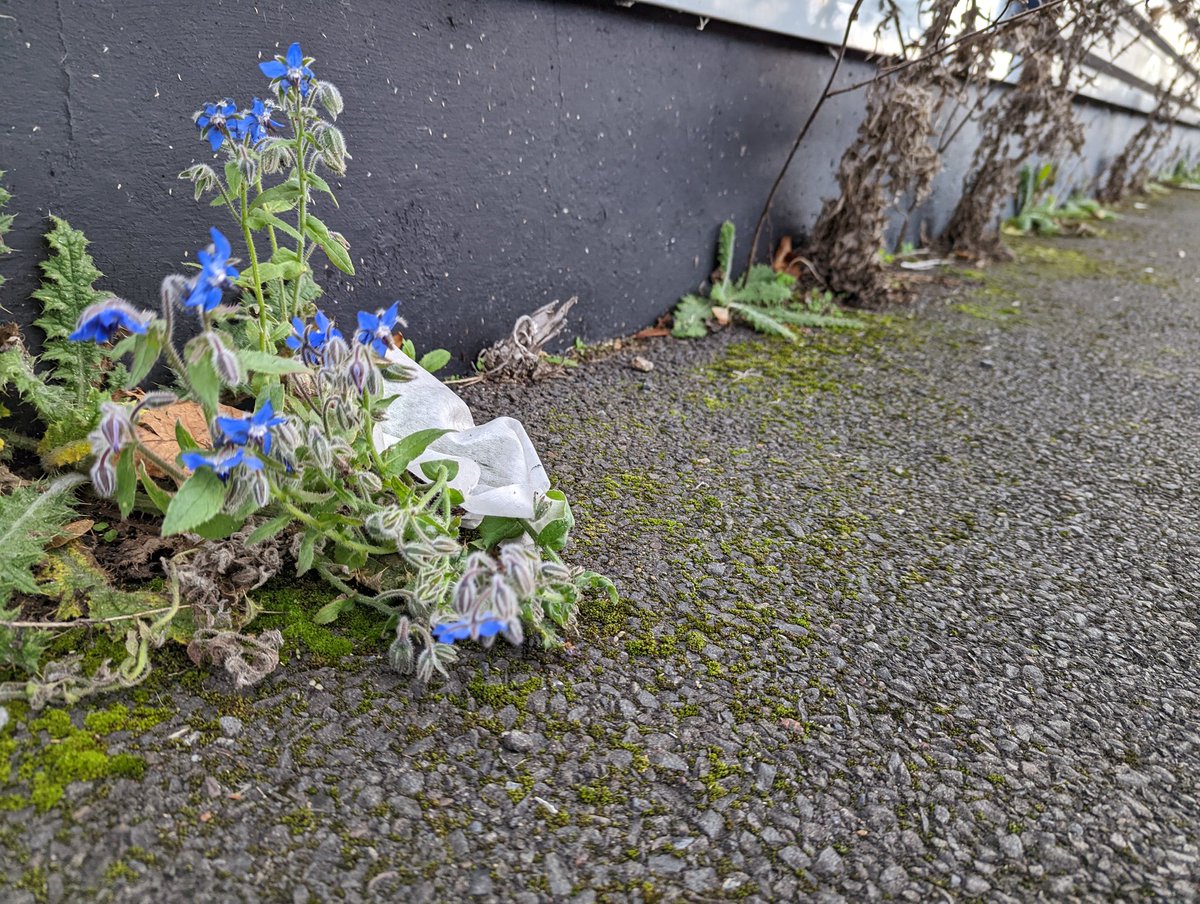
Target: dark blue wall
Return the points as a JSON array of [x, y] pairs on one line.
[[505, 153]]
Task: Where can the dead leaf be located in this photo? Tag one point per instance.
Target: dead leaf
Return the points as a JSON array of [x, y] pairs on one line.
[[645, 365], [72, 531], [784, 250], [206, 816], [156, 429], [722, 316], [652, 332]]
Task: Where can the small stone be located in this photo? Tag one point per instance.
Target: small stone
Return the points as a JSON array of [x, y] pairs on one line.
[[211, 786], [556, 876], [231, 726], [893, 879], [645, 365], [829, 863], [1012, 847], [517, 741], [481, 884], [976, 885], [765, 777]]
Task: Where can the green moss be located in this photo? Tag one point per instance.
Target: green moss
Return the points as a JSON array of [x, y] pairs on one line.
[[300, 821], [597, 794], [499, 696], [290, 608], [68, 754], [119, 718]]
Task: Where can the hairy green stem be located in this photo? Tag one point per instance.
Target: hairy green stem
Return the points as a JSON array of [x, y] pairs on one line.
[[258, 295], [302, 212]]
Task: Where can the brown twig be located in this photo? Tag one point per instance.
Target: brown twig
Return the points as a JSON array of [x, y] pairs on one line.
[[940, 51], [825, 95]]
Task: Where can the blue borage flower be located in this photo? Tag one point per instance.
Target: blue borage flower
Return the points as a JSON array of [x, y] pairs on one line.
[[217, 121], [215, 274], [376, 329], [309, 338], [100, 322], [222, 462], [487, 625], [257, 122], [291, 71], [254, 430]]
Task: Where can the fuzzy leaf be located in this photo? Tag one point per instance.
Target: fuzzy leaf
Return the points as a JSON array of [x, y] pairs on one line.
[[762, 321], [397, 457], [68, 275], [725, 249], [30, 517], [435, 360], [198, 501], [690, 316]]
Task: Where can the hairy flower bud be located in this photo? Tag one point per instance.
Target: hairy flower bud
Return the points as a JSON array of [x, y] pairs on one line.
[[329, 97], [318, 447], [224, 361], [202, 176], [369, 481], [158, 398]]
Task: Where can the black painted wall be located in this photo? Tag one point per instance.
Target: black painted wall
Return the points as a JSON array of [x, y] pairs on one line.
[[505, 152]]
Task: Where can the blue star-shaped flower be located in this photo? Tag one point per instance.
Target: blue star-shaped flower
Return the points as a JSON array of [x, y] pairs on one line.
[[215, 122], [291, 71], [250, 431], [376, 329], [257, 121], [215, 274], [488, 625], [100, 322], [310, 338], [221, 462]]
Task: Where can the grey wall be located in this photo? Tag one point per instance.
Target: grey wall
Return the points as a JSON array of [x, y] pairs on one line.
[[505, 153]]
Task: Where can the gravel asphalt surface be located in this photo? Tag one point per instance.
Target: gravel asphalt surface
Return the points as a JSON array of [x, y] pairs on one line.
[[908, 616]]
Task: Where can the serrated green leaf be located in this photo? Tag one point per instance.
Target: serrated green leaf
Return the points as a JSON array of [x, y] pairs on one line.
[[691, 316], [197, 501]]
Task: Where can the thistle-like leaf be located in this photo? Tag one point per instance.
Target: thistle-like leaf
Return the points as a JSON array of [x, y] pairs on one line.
[[66, 290], [690, 316], [725, 249], [762, 321], [30, 517]]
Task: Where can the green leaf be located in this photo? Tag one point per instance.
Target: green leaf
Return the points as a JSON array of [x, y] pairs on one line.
[[30, 517], [261, 219], [691, 315], [233, 178], [66, 290], [184, 439], [158, 496], [331, 610], [725, 249], [205, 383], [266, 363], [321, 185], [397, 457], [334, 250], [432, 468], [219, 527], [146, 349], [278, 198], [435, 360], [762, 321], [304, 559], [197, 501], [268, 529], [494, 529], [126, 483]]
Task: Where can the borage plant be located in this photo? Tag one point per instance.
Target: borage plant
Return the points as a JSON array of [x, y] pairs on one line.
[[302, 459]]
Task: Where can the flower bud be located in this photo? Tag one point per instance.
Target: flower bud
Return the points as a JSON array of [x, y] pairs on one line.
[[224, 361], [318, 447], [329, 97], [369, 481]]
